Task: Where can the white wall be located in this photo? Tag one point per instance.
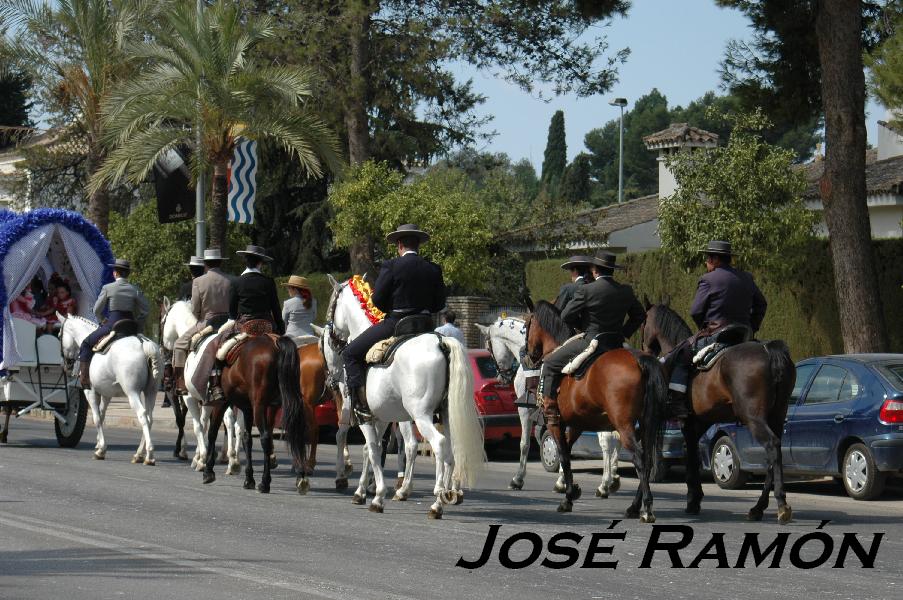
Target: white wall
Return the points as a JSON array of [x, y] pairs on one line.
[[667, 185], [890, 143], [885, 216], [637, 238]]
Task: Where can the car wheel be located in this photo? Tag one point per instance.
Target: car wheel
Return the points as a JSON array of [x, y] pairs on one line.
[[548, 450], [726, 465], [861, 477]]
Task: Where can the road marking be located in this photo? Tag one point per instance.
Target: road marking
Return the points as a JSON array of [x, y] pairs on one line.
[[301, 583]]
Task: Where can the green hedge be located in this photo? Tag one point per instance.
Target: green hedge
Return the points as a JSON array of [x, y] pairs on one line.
[[802, 310]]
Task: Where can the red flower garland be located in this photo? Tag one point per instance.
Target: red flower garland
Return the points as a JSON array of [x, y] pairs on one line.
[[361, 291]]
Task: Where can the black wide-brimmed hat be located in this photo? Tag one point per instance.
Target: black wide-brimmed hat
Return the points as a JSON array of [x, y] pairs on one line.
[[258, 251], [577, 260], [606, 260], [195, 261], [120, 264], [718, 247], [408, 229]]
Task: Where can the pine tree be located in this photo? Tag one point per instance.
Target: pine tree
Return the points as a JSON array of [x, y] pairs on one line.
[[555, 157]]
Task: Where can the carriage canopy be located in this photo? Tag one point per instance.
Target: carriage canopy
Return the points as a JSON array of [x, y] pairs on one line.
[[42, 242]]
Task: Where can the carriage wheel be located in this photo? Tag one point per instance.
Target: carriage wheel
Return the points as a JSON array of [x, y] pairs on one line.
[[69, 435]]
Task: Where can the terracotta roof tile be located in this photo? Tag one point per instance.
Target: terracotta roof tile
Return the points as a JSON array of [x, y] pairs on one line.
[[881, 176], [680, 133]]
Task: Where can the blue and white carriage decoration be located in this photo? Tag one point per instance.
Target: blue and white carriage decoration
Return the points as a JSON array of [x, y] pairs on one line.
[[33, 374]]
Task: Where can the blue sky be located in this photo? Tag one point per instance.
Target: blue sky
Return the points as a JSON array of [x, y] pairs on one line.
[[676, 46]]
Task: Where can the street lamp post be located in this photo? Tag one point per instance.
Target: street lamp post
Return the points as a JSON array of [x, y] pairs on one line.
[[200, 225], [620, 102]]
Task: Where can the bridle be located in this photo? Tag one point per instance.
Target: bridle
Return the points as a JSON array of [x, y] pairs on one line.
[[335, 342], [505, 375]]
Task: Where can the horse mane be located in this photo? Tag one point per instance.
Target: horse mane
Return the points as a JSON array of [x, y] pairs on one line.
[[548, 317], [670, 325]]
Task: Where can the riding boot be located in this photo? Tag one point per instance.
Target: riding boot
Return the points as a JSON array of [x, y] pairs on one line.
[[360, 410], [550, 411], [677, 405], [84, 374], [179, 375], [216, 394]]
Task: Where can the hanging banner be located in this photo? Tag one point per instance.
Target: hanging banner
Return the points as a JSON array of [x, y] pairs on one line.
[[242, 181], [172, 184]]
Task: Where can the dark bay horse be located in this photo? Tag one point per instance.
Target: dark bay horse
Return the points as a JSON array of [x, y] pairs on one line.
[[750, 383], [621, 389], [313, 390], [265, 376]]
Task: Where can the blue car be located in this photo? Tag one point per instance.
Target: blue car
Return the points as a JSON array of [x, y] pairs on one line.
[[845, 420]]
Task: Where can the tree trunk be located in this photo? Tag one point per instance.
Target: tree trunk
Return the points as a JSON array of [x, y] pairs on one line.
[[843, 190], [99, 209], [219, 206], [356, 122]]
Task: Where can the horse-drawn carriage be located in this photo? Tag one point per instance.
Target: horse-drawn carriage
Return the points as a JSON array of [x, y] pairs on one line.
[[33, 371]]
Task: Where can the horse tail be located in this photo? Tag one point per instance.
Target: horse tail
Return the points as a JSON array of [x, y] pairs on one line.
[[154, 359], [783, 371], [464, 426], [654, 402], [288, 369]]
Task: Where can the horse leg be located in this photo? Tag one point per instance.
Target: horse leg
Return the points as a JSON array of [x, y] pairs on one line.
[[4, 434], [763, 433], [526, 429], [178, 409], [571, 490], [262, 418], [360, 494], [342, 459], [610, 444], [95, 401], [150, 398], [560, 486], [443, 453], [406, 429], [373, 435], [692, 434], [198, 419], [400, 455], [231, 447], [246, 440], [216, 415], [138, 406]]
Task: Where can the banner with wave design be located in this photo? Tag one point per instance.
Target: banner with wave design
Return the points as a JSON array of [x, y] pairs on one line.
[[243, 181]]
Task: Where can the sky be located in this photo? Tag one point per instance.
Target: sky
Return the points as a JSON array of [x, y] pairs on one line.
[[675, 46]]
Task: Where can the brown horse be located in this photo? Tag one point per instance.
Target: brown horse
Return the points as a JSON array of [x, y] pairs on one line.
[[621, 389], [750, 383], [265, 376]]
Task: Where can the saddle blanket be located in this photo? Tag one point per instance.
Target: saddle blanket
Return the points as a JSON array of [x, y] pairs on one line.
[[383, 352], [106, 342], [599, 345], [198, 338]]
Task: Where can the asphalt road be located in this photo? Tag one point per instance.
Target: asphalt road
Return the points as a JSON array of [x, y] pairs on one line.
[[75, 528]]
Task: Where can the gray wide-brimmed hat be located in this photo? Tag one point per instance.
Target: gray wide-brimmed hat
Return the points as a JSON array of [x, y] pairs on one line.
[[577, 260], [718, 247], [606, 260], [120, 264], [195, 261], [408, 229], [258, 251], [212, 254]]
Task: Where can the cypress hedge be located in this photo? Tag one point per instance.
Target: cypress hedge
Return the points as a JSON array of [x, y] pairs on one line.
[[802, 309]]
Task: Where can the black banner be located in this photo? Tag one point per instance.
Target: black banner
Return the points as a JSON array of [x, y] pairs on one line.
[[172, 183]]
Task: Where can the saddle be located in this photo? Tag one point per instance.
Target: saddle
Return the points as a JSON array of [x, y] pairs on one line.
[[123, 328], [712, 347], [229, 349], [383, 352], [599, 345]]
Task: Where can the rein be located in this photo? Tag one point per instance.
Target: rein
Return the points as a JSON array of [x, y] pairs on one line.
[[335, 342], [506, 375]]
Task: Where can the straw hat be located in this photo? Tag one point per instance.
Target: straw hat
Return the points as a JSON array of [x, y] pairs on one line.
[[296, 281]]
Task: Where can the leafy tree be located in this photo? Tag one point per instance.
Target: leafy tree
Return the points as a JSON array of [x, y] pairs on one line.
[[374, 200], [205, 63], [154, 249], [886, 72], [555, 157], [807, 56], [747, 192], [385, 64], [576, 186], [73, 52], [14, 104]]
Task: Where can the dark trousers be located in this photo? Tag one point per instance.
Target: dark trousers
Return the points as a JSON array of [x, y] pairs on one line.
[[550, 375], [355, 352], [86, 350]]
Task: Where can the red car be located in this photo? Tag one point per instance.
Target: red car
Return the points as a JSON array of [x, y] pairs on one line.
[[494, 399]]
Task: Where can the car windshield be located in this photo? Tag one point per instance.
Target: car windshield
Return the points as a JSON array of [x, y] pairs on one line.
[[486, 367], [893, 374]]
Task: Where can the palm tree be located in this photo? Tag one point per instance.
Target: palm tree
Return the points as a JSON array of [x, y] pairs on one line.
[[200, 73], [72, 50]]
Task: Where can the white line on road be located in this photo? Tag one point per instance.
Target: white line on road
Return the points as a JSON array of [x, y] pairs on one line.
[[301, 583]]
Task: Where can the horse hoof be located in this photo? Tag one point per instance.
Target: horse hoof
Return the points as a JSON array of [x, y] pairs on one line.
[[357, 499], [631, 513], [375, 508], [647, 518], [565, 506], [341, 484], [785, 513], [615, 486], [183, 456], [448, 497], [460, 498], [150, 462], [137, 459], [434, 514], [600, 493], [303, 486], [576, 492], [248, 484], [263, 488], [515, 485], [100, 454], [559, 488], [400, 497], [692, 509], [222, 460], [3, 437], [754, 514], [200, 466], [209, 477]]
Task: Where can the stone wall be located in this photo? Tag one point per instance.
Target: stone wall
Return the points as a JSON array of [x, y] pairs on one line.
[[469, 311]]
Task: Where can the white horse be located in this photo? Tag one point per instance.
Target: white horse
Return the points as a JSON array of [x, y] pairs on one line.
[[176, 320], [132, 367], [507, 336], [412, 388]]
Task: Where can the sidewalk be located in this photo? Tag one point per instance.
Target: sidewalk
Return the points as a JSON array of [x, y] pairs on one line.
[[120, 414]]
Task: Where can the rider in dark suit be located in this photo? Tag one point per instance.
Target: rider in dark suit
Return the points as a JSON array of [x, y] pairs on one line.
[[579, 267], [407, 285], [724, 296], [605, 309]]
